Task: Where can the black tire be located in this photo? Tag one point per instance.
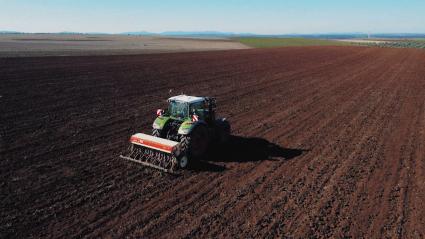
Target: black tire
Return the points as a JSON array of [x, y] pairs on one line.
[[182, 152], [223, 130], [199, 142], [194, 146], [156, 133]]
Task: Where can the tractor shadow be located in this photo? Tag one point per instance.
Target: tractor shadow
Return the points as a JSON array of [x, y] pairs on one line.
[[242, 149]]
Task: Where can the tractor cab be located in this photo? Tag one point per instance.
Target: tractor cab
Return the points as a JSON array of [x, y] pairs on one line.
[[184, 107]]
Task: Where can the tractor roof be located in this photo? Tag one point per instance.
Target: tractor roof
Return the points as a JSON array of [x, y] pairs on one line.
[[186, 98]]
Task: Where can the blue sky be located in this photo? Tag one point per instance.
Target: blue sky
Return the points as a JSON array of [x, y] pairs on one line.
[[264, 17]]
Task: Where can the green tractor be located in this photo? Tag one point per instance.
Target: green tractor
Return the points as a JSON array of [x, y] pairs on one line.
[[181, 134]]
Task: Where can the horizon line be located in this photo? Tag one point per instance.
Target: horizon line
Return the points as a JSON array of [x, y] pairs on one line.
[[201, 31]]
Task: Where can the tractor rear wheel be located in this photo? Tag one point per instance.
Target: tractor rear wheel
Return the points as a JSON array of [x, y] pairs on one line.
[[223, 130], [194, 145]]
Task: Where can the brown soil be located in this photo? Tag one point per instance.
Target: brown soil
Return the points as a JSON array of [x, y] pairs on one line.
[[330, 143]]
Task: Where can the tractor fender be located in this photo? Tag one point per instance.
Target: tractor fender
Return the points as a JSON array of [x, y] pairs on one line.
[[188, 126], [160, 122]]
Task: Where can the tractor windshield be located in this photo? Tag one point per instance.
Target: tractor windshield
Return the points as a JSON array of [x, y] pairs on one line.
[[178, 109]]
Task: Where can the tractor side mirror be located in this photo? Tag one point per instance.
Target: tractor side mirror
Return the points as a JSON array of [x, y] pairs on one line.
[[159, 112]]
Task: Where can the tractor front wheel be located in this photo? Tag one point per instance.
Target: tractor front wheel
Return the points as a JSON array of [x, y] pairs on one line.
[[156, 133], [183, 162]]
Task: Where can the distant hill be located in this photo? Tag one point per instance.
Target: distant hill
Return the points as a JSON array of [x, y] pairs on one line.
[[233, 34], [205, 33], [82, 33], [189, 34], [314, 36], [398, 35], [10, 32], [61, 33], [139, 33]]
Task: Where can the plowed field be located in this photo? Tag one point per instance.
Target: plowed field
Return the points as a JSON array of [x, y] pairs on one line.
[[329, 141]]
